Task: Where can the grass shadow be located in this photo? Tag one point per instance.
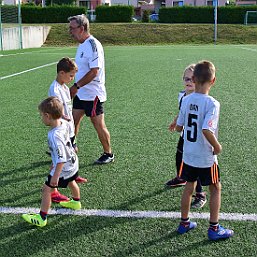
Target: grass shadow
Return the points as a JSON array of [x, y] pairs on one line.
[[13, 197], [30, 166], [184, 249], [29, 240], [135, 249], [19, 173], [129, 204]]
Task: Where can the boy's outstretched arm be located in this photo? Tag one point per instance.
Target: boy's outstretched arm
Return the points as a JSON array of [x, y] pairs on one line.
[[172, 125], [179, 128], [217, 148]]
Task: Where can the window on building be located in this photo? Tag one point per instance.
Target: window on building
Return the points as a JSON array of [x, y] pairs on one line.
[[209, 2], [178, 3], [85, 3]]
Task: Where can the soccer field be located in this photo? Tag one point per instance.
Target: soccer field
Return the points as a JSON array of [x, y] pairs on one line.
[[126, 210]]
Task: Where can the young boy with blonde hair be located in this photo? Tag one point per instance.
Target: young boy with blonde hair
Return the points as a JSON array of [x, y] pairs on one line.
[[64, 169], [66, 70], [199, 116]]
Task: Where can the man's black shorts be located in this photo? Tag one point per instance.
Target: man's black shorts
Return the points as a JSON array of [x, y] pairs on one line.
[[91, 108], [63, 183], [207, 176]]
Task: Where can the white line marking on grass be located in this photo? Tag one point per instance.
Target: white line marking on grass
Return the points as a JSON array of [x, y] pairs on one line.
[[249, 49], [130, 214], [6, 55], [18, 73], [47, 51]]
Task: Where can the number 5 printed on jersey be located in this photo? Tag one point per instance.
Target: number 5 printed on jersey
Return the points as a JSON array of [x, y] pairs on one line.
[[192, 125]]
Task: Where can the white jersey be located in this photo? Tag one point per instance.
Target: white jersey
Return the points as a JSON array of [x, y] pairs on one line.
[[90, 54], [62, 92], [181, 94], [62, 151], [198, 112]]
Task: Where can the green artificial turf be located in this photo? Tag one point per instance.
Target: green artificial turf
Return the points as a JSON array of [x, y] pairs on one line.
[[142, 84]]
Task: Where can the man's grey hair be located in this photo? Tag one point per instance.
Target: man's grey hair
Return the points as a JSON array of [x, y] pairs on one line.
[[81, 20]]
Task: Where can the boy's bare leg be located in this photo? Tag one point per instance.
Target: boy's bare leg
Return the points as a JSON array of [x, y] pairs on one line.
[[186, 199], [75, 191], [46, 198], [75, 203], [215, 200]]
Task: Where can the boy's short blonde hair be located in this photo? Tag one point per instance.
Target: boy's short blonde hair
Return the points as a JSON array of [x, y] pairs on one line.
[[53, 106], [190, 67], [204, 72], [66, 64]]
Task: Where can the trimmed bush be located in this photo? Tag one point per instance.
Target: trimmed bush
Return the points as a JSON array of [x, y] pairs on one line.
[[233, 14], [116, 13], [9, 14], [186, 14], [204, 14], [145, 16], [51, 14]]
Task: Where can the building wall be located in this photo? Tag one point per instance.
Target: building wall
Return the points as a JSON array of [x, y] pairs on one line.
[[10, 2], [91, 4], [246, 2], [144, 3], [125, 2], [13, 2], [170, 3]]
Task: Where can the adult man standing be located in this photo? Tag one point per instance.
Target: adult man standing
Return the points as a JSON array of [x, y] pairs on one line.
[[89, 91]]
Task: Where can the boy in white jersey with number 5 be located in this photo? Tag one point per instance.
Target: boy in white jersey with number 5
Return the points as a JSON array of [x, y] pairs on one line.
[[199, 116], [66, 70], [64, 169]]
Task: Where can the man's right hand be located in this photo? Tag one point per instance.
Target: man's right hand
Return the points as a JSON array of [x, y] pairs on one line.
[[73, 91]]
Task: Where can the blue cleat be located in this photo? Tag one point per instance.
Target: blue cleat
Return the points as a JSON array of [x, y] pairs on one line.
[[221, 233], [186, 226]]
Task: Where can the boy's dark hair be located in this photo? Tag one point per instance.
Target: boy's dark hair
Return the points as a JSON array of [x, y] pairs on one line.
[[53, 106], [66, 64], [204, 72]]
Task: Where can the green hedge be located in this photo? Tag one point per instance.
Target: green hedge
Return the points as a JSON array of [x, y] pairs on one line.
[[116, 13], [9, 14], [51, 14], [204, 14], [234, 15]]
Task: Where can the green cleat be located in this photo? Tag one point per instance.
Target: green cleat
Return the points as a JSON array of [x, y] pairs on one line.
[[75, 205], [34, 219]]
